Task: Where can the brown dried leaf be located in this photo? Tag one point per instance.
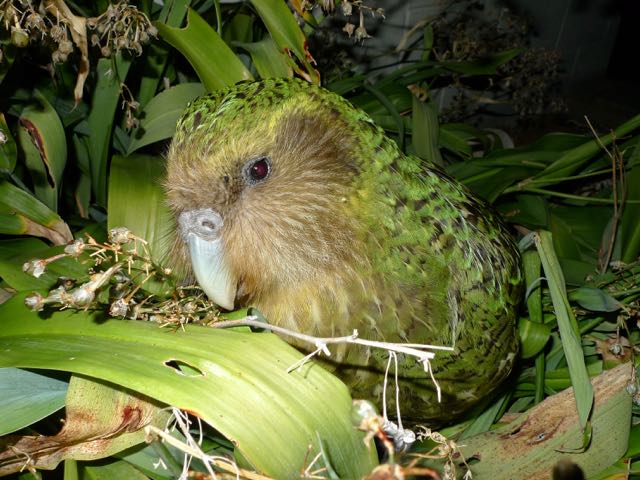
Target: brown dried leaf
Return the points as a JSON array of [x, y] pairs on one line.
[[100, 422], [532, 444], [58, 233]]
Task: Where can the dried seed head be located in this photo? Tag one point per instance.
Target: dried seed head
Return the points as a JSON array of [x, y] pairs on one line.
[[347, 8], [189, 307], [35, 267], [136, 47], [35, 302], [112, 11], [34, 22], [19, 37], [119, 308], [349, 28], [58, 57], [158, 318], [616, 349], [119, 235], [65, 47], [328, 5], [121, 42], [134, 312], [56, 295], [58, 33], [66, 283], [75, 248], [82, 296], [9, 14], [361, 33], [120, 277]]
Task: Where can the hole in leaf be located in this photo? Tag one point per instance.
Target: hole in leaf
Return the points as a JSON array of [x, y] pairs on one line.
[[471, 460], [183, 368]]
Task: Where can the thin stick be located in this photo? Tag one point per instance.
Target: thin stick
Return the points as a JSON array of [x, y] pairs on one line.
[[409, 349], [618, 198], [412, 349]]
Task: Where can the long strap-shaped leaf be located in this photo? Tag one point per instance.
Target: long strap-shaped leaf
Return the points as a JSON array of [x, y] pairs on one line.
[[568, 326], [237, 382], [286, 33], [214, 62]]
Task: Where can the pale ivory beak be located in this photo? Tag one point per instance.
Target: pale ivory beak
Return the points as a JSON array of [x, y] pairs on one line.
[[201, 231]]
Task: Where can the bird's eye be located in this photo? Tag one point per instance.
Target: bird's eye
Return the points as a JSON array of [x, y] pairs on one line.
[[257, 170]]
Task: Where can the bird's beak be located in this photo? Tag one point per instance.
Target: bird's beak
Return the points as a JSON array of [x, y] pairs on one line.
[[201, 231]]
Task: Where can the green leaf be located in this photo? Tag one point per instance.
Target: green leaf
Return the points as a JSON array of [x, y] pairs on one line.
[[482, 66], [425, 130], [26, 397], [214, 62], [23, 214], [136, 200], [8, 149], [483, 422], [629, 224], [533, 345], [531, 211], [567, 325], [457, 137], [44, 145], [111, 470], [106, 97], [267, 59], [156, 58], [533, 337], [146, 459], [575, 158], [71, 470], [239, 29], [15, 252], [173, 12], [595, 299], [159, 117], [243, 389], [286, 34]]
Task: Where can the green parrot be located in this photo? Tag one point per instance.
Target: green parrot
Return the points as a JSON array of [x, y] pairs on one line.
[[289, 199]]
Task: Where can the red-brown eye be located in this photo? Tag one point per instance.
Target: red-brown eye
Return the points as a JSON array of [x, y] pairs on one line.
[[257, 170]]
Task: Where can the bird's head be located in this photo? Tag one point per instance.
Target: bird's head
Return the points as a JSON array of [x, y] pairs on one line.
[[260, 178]]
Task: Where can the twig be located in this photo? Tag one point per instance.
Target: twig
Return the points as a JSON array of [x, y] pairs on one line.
[[193, 449], [616, 164], [401, 438], [412, 349]]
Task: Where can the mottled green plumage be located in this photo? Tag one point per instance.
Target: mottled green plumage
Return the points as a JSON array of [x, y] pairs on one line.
[[349, 233]]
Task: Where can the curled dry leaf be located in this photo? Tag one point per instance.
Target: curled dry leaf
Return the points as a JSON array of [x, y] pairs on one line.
[[100, 422]]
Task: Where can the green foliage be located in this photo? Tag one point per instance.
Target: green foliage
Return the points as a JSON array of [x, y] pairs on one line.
[[73, 164], [201, 370], [26, 397]]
